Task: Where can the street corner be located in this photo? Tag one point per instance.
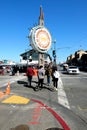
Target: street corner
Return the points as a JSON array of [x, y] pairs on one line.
[[35, 113], [38, 114], [48, 112]]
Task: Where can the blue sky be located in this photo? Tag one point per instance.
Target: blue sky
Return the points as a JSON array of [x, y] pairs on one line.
[[66, 20]]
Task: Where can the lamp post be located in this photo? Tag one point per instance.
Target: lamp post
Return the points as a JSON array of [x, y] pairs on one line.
[[54, 52]]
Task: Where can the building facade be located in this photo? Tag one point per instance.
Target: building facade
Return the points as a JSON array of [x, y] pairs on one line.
[[77, 58], [31, 58]]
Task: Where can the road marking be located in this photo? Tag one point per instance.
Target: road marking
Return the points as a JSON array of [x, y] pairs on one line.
[[62, 98], [14, 99], [56, 115], [74, 77], [82, 109]]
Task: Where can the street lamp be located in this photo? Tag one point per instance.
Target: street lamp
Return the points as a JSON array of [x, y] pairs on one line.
[[54, 52]]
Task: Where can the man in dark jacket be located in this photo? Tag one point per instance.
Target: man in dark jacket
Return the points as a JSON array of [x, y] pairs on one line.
[[48, 73], [29, 74]]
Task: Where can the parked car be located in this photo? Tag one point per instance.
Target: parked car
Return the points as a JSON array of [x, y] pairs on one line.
[[65, 66], [83, 68], [1, 70], [73, 70]]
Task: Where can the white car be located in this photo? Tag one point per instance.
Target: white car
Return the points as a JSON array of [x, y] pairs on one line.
[[73, 70]]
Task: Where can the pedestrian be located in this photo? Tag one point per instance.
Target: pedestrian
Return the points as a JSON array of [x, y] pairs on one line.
[[12, 70], [29, 74], [56, 76], [41, 74], [48, 73]]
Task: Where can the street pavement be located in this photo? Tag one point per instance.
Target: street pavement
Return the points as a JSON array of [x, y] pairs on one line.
[[38, 110]]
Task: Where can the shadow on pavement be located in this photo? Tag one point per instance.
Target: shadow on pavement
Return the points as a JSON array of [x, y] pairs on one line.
[[34, 87]]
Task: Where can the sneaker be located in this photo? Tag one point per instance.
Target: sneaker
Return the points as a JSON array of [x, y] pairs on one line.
[[40, 88], [55, 89], [37, 87]]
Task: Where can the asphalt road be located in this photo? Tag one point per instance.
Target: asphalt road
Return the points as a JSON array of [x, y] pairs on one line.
[[75, 87], [45, 108]]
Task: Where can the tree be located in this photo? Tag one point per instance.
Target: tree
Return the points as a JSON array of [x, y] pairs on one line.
[[84, 59]]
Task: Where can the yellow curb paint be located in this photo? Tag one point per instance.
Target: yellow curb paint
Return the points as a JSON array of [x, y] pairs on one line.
[[82, 109], [16, 100]]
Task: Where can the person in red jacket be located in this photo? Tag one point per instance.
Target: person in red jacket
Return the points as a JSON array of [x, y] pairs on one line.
[[29, 74]]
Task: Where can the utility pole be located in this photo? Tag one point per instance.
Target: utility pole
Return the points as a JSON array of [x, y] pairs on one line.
[[54, 51]]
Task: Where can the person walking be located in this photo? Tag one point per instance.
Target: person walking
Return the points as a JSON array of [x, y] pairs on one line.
[[48, 73], [56, 76], [41, 74], [29, 74]]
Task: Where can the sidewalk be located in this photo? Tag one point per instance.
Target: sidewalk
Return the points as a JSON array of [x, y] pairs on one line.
[[7, 78], [35, 115], [20, 108], [38, 110], [83, 73]]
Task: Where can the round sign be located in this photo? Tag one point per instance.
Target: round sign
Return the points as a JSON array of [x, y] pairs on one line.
[[40, 39]]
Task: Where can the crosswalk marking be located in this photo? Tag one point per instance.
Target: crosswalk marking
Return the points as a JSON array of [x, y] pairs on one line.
[[62, 98], [74, 77]]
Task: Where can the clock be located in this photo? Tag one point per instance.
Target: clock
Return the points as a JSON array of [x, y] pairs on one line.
[[40, 39]]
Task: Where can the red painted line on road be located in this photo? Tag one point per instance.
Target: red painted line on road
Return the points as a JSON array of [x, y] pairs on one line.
[[34, 123], [59, 119], [36, 114]]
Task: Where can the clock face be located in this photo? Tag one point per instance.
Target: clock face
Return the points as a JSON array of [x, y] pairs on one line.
[[42, 38]]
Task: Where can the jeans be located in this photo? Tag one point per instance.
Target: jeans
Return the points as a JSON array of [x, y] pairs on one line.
[[29, 80], [55, 82], [48, 79], [40, 83]]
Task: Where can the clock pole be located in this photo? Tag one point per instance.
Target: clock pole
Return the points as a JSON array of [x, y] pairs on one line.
[[41, 22], [40, 39]]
